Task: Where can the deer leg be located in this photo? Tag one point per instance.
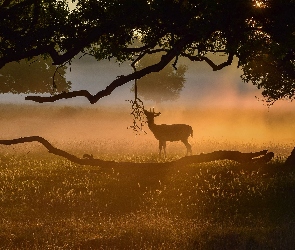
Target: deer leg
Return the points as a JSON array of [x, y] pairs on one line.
[[188, 147], [160, 148], [162, 145]]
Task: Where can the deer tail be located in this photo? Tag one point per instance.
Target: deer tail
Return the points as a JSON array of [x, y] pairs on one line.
[[192, 132]]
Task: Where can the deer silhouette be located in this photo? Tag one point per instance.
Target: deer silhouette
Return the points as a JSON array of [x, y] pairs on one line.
[[173, 132]]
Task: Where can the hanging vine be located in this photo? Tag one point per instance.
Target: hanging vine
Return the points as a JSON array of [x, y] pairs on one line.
[[137, 106]]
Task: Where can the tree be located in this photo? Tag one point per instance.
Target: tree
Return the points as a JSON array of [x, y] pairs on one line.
[[259, 33], [38, 76], [161, 86]]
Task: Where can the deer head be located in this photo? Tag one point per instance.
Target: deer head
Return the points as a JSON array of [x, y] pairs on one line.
[[150, 115]]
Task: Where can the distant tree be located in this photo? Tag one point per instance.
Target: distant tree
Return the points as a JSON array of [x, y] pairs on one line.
[[35, 76], [165, 85], [260, 33]]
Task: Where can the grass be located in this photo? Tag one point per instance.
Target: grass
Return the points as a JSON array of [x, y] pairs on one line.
[[47, 202]]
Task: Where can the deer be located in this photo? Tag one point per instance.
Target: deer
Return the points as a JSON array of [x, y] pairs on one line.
[[173, 132]]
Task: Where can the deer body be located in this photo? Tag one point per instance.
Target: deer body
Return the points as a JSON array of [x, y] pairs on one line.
[[173, 132]]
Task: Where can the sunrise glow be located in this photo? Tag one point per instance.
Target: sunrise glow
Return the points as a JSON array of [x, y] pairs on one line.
[[260, 4]]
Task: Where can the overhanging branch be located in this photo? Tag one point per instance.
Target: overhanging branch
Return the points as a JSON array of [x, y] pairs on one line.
[[58, 58], [214, 66], [175, 51]]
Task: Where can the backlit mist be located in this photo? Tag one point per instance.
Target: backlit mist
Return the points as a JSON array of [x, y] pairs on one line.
[[218, 105], [222, 110]]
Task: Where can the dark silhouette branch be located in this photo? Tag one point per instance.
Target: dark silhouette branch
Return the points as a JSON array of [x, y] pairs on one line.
[[12, 56], [133, 64], [175, 51], [51, 149], [58, 59], [253, 158], [136, 49], [214, 66], [91, 35], [6, 3]]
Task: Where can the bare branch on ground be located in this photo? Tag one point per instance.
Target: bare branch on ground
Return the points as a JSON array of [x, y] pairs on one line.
[[243, 158]]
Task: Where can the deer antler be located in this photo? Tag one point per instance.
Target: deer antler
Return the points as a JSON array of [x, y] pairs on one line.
[[153, 112]]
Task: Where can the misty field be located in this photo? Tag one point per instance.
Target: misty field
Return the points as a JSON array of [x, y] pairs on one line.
[[47, 202]]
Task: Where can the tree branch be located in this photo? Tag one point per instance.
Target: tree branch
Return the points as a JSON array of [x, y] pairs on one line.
[[6, 3], [12, 56], [15, 54], [120, 80], [136, 49], [210, 62], [253, 158], [51, 149]]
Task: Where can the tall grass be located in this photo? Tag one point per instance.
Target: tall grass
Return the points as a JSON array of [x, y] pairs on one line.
[[50, 203]]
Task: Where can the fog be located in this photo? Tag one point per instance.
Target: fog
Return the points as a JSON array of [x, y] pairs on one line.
[[223, 111], [104, 131]]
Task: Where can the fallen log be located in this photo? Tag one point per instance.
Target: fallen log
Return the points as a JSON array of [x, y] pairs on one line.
[[243, 158]]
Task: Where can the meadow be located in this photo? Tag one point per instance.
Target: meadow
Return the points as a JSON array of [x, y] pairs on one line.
[[47, 202]]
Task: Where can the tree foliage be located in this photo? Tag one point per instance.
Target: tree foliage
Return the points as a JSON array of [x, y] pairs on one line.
[[35, 76], [260, 33]]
